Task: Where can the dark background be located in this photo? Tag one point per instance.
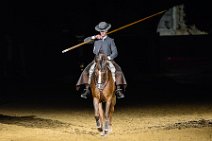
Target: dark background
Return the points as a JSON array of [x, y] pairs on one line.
[[157, 68]]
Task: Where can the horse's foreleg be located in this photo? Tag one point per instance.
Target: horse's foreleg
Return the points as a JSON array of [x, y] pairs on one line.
[[96, 112], [111, 112], [101, 113]]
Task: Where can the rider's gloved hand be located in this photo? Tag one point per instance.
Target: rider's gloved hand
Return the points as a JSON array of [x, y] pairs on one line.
[[109, 58]]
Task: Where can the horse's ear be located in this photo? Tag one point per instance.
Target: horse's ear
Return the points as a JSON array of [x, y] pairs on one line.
[[105, 61], [96, 58]]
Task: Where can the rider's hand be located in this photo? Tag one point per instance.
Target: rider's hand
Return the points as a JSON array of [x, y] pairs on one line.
[[98, 37], [93, 37]]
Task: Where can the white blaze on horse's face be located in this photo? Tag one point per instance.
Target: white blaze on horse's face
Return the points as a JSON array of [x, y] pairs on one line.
[[100, 77]]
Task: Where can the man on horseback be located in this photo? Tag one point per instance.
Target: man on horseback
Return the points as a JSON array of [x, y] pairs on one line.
[[106, 45]]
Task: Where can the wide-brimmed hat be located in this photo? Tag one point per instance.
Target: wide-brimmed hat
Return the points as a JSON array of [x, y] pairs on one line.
[[102, 26]]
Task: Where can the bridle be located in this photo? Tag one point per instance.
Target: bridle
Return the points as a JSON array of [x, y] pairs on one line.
[[101, 73]]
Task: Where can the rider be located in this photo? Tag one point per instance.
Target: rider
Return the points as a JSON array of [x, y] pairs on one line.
[[106, 45]]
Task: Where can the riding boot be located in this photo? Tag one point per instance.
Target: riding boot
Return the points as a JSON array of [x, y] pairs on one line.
[[85, 92], [119, 92]]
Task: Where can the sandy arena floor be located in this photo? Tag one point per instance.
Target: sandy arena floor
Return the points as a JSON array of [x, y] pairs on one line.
[[162, 122]]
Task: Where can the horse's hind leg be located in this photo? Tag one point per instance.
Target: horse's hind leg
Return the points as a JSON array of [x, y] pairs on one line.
[[112, 107], [110, 119], [111, 111], [107, 116]]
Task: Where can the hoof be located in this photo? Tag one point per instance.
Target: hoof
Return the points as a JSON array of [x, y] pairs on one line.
[[102, 133], [98, 124]]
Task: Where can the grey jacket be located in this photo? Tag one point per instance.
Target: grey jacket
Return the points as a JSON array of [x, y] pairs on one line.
[[107, 46]]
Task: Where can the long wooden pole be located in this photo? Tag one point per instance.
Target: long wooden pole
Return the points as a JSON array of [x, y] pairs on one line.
[[115, 30]]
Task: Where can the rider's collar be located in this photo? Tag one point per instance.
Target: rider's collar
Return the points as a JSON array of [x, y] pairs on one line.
[[104, 37]]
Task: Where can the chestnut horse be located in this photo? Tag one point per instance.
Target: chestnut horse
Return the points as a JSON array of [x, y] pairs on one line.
[[103, 92]]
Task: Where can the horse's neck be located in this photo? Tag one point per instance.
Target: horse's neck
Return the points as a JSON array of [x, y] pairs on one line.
[[109, 75]]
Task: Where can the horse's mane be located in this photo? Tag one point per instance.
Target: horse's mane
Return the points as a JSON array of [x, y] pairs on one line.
[[101, 61]]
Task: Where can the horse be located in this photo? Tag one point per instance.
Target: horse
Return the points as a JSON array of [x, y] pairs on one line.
[[103, 94]]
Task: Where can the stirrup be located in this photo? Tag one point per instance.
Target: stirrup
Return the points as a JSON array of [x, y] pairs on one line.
[[85, 93], [119, 94]]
